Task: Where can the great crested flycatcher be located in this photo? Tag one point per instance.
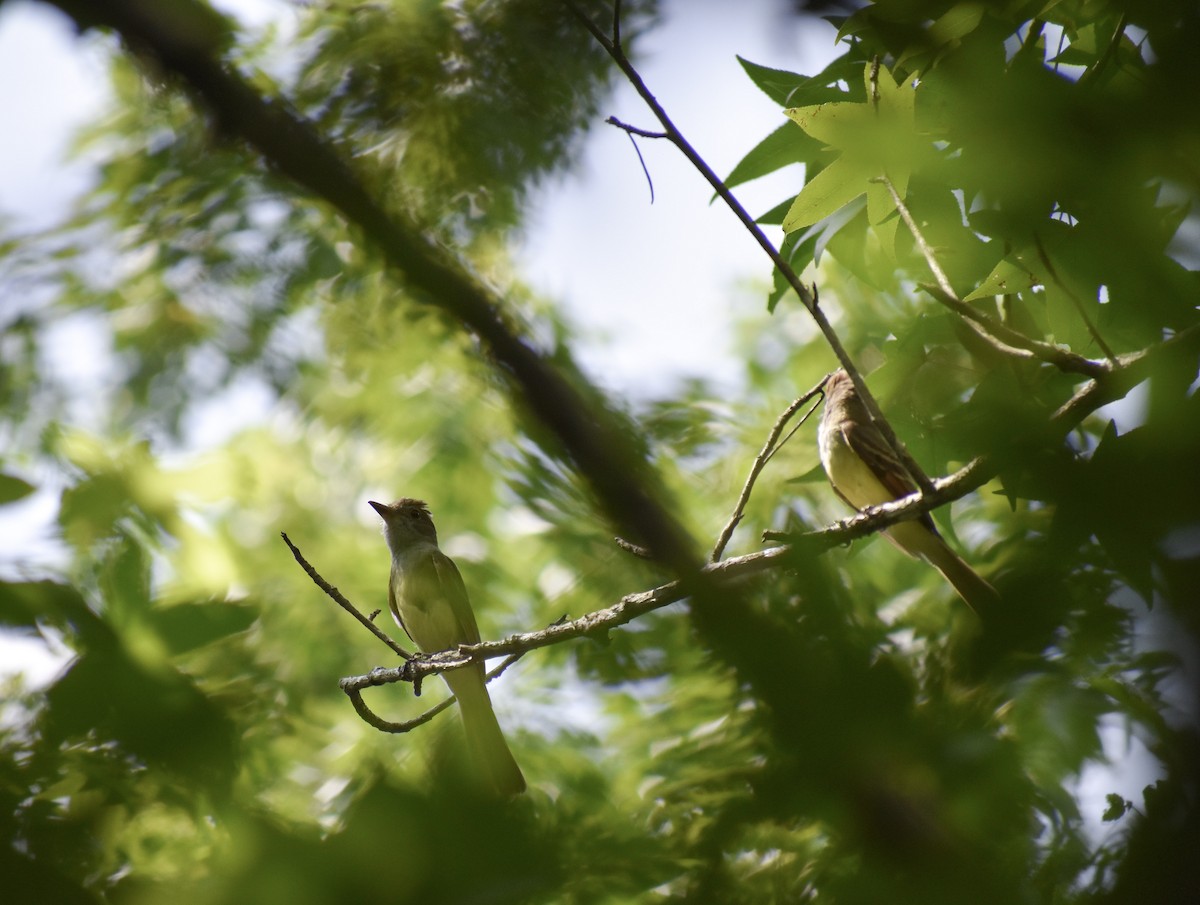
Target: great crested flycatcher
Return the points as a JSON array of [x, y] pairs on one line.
[[864, 471], [428, 599]]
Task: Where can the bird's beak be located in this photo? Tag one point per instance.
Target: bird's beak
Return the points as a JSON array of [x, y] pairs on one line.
[[381, 508]]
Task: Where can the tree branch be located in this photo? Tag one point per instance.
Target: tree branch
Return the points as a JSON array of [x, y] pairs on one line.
[[1000, 337], [373, 719], [808, 297], [341, 601], [760, 461], [598, 622], [586, 427], [1129, 370]]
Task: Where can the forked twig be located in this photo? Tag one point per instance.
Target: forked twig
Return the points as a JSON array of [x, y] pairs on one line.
[[372, 718], [807, 295], [341, 601], [1000, 337], [772, 446]]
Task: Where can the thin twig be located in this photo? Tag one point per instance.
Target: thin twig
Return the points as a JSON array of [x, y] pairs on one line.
[[341, 601], [1012, 342], [999, 336], [1075, 300], [642, 161], [628, 608], [760, 461], [373, 719], [635, 549], [918, 236], [635, 130], [806, 295]]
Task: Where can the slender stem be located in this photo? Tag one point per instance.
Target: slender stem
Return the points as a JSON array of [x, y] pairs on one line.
[[760, 461], [341, 601], [1075, 300], [807, 295], [930, 258], [999, 336]]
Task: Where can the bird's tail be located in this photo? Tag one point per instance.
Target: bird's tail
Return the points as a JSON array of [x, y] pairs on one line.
[[978, 594], [916, 539], [484, 737]]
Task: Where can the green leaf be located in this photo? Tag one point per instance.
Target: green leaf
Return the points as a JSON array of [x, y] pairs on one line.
[[187, 626], [839, 124], [874, 138], [1117, 808], [30, 605], [1010, 276], [957, 22], [777, 84], [836, 185], [781, 148], [156, 714], [12, 489]]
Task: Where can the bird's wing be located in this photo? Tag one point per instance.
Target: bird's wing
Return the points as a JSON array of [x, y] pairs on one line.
[[869, 445], [395, 610], [439, 573]]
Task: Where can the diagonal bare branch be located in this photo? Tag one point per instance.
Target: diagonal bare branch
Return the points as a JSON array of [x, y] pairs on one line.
[[807, 295], [760, 462], [336, 596]]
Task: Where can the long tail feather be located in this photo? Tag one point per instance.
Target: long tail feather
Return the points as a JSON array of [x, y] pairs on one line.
[[484, 736]]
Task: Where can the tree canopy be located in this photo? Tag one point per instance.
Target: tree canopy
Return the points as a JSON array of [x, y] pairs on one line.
[[994, 232]]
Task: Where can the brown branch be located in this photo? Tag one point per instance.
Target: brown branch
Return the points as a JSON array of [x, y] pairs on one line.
[[628, 608], [1075, 300], [633, 549], [807, 296], [760, 461], [970, 477], [373, 719], [1128, 371], [1011, 342], [341, 601], [634, 130], [998, 336], [588, 430]]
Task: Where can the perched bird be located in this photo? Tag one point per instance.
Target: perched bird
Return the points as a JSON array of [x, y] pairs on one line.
[[864, 471], [428, 599]]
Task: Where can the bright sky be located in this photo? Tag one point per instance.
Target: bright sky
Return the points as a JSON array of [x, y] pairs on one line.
[[656, 285]]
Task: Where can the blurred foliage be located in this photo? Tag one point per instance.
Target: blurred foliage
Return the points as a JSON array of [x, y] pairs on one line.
[[838, 728]]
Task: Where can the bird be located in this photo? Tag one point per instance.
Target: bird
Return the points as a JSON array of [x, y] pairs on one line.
[[864, 471], [428, 599]]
